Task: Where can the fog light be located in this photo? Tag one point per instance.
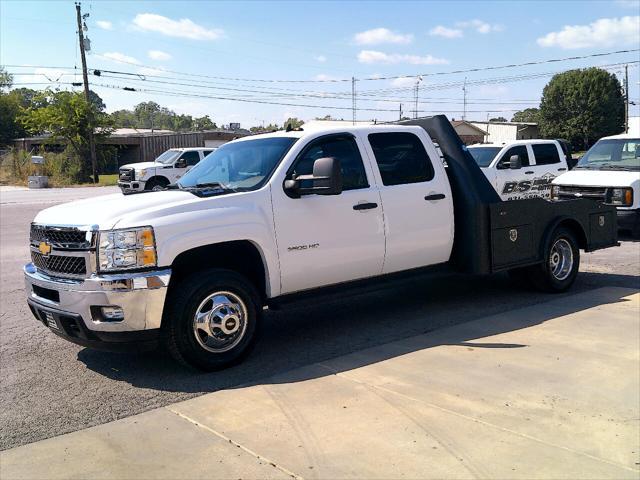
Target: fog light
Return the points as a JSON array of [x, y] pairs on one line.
[[112, 314]]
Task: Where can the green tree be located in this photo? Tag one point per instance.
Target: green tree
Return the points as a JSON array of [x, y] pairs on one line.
[[582, 106], [11, 104], [293, 122], [528, 115], [68, 116], [6, 79], [498, 119], [204, 123], [124, 119]]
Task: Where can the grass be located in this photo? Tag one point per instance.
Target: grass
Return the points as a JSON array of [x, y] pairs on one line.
[[108, 180]]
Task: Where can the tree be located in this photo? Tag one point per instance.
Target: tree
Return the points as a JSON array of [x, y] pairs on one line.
[[6, 79], [204, 123], [294, 122], [528, 115], [582, 106], [498, 119], [67, 116]]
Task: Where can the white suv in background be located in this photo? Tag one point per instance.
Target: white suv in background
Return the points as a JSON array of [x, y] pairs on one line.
[[165, 169], [608, 172], [522, 168]]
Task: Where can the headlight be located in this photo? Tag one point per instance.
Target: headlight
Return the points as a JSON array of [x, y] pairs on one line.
[[555, 192], [141, 174], [620, 196], [126, 249]]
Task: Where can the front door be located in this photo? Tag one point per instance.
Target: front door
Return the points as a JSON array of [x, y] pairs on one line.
[[328, 239], [514, 184]]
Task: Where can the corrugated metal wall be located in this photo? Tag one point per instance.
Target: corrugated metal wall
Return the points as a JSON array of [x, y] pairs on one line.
[[152, 146]]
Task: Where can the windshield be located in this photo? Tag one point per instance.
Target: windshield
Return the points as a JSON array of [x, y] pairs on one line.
[[613, 154], [167, 157], [484, 155], [241, 166]]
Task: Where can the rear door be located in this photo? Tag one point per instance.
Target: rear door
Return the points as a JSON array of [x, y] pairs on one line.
[[416, 199], [548, 164]]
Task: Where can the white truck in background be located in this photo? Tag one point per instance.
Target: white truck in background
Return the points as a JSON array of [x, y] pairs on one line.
[[522, 168], [268, 219], [164, 170], [610, 173]]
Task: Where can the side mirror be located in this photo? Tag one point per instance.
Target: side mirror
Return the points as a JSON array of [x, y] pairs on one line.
[[514, 162], [325, 180], [182, 163]]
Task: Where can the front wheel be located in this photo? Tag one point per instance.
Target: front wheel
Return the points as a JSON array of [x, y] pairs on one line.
[[156, 184], [210, 319], [561, 263]]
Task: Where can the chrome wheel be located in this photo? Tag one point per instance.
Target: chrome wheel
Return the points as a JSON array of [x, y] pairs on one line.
[[220, 322], [561, 259], [157, 188]]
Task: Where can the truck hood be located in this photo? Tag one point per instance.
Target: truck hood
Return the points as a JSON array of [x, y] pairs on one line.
[[598, 178], [106, 211], [141, 165]]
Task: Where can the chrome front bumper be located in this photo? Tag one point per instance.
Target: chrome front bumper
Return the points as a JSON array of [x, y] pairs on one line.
[[140, 295]]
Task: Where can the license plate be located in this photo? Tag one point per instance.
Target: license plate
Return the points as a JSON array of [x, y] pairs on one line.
[[50, 321]]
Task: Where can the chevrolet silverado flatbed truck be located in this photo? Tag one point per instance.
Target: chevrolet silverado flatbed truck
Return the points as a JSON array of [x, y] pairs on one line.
[[269, 218]]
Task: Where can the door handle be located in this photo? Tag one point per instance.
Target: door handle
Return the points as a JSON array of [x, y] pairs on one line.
[[561, 169], [365, 206], [435, 196], [530, 172]]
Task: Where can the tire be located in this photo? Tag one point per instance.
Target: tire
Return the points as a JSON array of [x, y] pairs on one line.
[[156, 184], [561, 263], [228, 306]]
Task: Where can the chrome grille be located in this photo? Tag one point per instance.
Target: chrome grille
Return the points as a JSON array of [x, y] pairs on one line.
[[594, 193], [61, 237], [59, 264], [127, 174]]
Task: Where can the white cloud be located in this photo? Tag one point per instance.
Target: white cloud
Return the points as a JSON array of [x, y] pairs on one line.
[[183, 28], [158, 55], [480, 26], [604, 32], [404, 82], [441, 31], [104, 24], [321, 58], [373, 56], [324, 77], [377, 36], [120, 57]]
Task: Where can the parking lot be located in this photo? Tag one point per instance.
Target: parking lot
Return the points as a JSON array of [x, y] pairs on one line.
[[51, 387]]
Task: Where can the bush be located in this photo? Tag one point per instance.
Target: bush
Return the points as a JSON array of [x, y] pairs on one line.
[[61, 168]]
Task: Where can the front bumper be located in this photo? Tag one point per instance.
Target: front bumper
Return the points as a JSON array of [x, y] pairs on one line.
[[629, 219], [133, 186], [73, 306]]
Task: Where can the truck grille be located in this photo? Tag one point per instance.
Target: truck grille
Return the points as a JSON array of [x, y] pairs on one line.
[[127, 174], [59, 264], [594, 193], [62, 237]]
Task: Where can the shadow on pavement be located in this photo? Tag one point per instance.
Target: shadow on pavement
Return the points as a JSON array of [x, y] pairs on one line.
[[303, 335]]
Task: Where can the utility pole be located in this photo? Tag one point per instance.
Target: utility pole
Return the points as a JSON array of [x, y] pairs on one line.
[[400, 113], [464, 101], [85, 78], [353, 99], [417, 93], [626, 98]]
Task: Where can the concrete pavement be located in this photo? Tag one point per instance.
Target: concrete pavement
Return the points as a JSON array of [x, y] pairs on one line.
[[545, 391]]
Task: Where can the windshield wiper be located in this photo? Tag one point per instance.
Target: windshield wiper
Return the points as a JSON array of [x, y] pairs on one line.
[[173, 186], [617, 167]]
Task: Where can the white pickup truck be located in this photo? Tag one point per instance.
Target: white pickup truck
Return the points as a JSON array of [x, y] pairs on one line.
[[609, 172], [522, 168], [164, 170], [268, 218]]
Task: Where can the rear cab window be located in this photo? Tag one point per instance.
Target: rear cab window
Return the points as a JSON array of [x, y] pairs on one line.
[[401, 158], [545, 153]]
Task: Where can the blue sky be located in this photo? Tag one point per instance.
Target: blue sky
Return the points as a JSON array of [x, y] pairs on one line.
[[239, 42]]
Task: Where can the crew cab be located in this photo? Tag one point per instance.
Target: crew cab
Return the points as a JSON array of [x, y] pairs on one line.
[[164, 170], [609, 172], [522, 168], [269, 218]]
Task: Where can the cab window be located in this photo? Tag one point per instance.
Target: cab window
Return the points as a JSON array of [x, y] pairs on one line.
[[546, 154], [521, 151], [191, 158], [401, 158], [341, 147]]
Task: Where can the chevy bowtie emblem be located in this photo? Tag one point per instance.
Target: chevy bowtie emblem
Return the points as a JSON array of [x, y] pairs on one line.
[[44, 248]]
